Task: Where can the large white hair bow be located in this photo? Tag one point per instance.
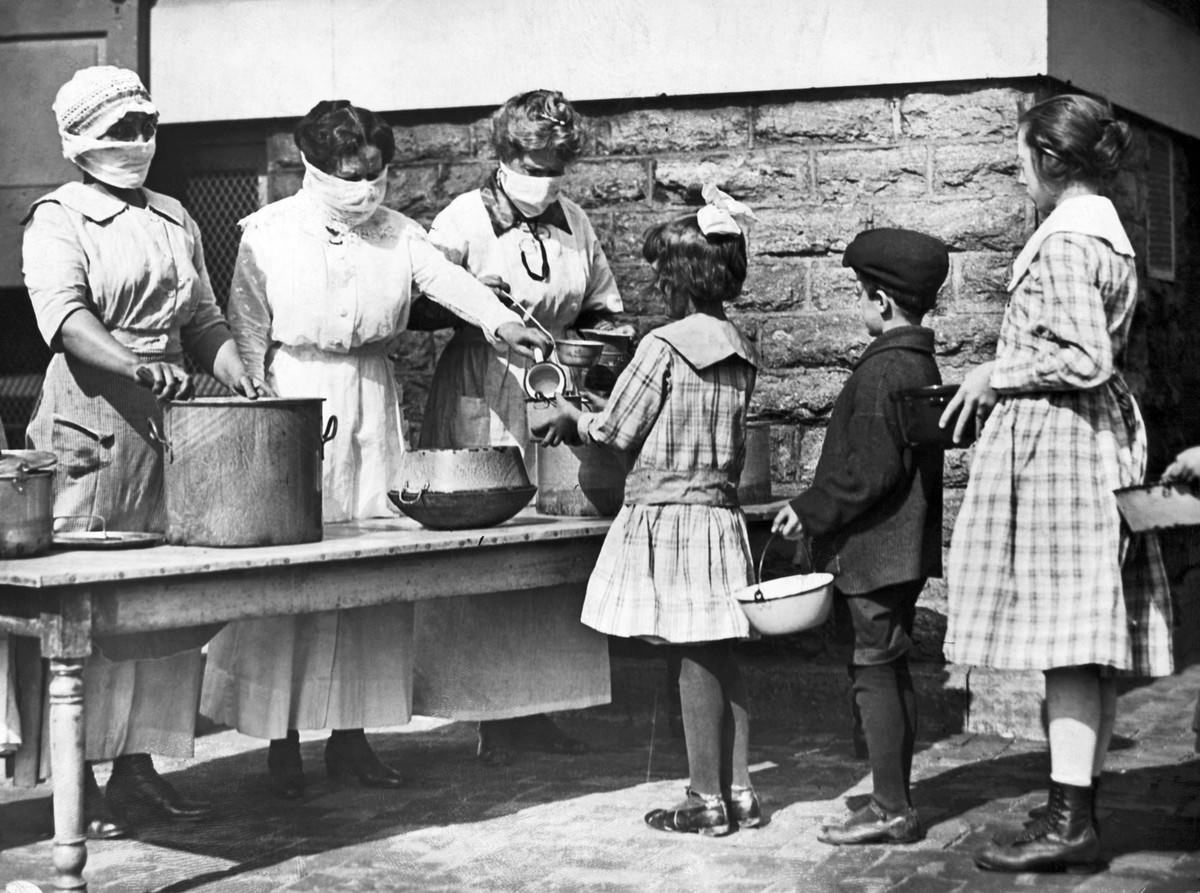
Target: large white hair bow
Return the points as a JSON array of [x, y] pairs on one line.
[[723, 214]]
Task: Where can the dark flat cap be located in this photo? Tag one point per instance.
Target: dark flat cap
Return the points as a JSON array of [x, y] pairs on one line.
[[903, 259]]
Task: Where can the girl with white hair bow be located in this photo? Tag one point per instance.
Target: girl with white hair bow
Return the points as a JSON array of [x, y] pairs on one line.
[[679, 549], [116, 276]]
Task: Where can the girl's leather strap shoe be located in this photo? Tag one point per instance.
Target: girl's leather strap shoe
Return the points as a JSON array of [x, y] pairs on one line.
[[699, 814], [744, 809]]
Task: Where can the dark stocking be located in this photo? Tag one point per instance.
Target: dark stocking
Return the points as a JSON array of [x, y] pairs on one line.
[[885, 698], [715, 720]]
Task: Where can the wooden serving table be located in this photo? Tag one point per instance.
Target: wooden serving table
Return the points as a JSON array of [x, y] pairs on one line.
[[66, 599]]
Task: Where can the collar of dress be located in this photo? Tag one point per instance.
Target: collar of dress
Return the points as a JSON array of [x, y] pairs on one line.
[[99, 206], [704, 340], [1089, 215], [504, 216]]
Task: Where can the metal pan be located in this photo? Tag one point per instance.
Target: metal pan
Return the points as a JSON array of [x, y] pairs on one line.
[[1159, 506]]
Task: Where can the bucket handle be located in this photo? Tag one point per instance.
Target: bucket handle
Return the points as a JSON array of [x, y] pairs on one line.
[[758, 595], [157, 435], [414, 498], [331, 429]]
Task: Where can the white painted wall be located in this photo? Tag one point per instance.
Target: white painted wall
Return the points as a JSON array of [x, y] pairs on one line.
[[1136, 55], [238, 59]]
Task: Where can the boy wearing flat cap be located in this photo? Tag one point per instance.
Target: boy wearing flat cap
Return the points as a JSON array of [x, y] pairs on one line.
[[874, 511]]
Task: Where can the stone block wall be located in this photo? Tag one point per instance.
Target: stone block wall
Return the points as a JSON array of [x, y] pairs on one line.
[[817, 167]]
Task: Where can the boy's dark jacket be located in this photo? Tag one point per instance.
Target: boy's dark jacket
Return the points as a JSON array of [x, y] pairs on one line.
[[875, 506]]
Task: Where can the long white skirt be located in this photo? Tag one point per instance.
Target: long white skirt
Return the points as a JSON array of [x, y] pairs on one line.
[[334, 669]]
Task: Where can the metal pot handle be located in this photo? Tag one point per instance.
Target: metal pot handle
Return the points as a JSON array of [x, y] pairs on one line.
[[157, 435], [803, 543], [416, 494], [331, 428]]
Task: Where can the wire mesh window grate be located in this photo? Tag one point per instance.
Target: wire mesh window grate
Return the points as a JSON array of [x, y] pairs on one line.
[[217, 201]]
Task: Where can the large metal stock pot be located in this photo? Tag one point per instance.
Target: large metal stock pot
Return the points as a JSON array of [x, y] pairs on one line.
[[239, 472]]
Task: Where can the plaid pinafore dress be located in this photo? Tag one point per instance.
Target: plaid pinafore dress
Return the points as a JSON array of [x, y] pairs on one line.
[[1041, 572]]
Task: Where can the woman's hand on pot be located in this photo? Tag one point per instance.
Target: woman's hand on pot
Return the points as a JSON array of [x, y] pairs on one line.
[[787, 524], [1186, 466], [251, 387], [973, 401], [524, 340], [167, 380]]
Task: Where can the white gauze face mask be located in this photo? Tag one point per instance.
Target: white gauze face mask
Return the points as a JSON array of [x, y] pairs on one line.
[[119, 164], [531, 195], [348, 202]]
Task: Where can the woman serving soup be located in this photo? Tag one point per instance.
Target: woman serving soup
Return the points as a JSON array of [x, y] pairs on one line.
[[321, 289]]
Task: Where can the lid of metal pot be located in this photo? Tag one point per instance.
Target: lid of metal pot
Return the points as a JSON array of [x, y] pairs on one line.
[[20, 462]]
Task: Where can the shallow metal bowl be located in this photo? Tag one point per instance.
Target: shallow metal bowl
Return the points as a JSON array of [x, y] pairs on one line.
[[574, 352], [462, 509]]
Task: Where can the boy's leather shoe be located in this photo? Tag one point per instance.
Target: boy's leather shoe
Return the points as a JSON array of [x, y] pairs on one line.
[[873, 824]]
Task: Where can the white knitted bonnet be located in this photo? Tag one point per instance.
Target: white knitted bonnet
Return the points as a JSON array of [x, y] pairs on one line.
[[96, 98]]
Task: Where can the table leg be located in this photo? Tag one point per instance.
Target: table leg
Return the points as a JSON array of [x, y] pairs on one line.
[[66, 761]]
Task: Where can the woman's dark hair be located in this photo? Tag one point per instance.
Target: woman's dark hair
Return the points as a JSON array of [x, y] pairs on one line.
[[535, 121], [708, 269], [333, 129], [1075, 138]]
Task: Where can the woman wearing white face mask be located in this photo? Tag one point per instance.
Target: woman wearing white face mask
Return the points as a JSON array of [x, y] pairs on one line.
[[504, 659], [321, 288], [117, 279]]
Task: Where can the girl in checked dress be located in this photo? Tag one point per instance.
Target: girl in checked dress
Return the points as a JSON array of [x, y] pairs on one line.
[[1042, 574], [679, 549]]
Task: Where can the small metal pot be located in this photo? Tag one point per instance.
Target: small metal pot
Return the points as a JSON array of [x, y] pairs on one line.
[[544, 378], [26, 508]]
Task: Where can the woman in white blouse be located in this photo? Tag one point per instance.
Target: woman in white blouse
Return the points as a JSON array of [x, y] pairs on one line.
[[321, 287], [504, 658]]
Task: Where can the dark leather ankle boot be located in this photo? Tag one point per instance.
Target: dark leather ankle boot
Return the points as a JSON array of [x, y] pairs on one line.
[[102, 821], [349, 755], [1039, 812], [134, 781], [1064, 839], [284, 767]]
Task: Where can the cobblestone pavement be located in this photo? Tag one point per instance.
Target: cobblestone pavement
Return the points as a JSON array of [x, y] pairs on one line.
[[552, 823]]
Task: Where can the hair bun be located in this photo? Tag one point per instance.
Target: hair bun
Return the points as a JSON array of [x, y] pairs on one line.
[[1113, 147]]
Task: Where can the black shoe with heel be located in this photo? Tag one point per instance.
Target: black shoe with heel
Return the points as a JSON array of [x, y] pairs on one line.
[[284, 766], [698, 814], [348, 755], [135, 782], [495, 746], [539, 732]]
